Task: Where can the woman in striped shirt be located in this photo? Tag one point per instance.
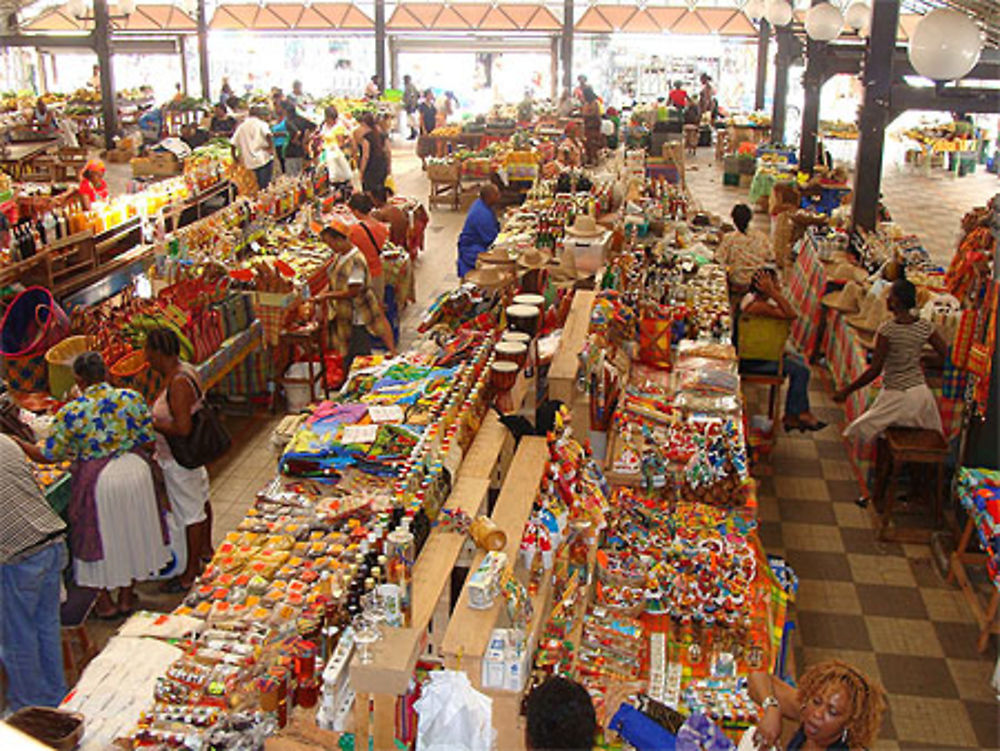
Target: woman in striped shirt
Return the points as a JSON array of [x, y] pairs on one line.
[[905, 399]]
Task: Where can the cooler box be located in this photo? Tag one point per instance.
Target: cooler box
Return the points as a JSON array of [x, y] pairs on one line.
[[588, 252]]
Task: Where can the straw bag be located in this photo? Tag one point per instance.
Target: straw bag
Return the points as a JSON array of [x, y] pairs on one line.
[[655, 336]]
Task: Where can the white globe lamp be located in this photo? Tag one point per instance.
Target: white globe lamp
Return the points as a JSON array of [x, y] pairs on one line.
[[77, 8], [945, 45], [778, 12], [823, 22], [858, 15], [754, 9], [126, 7]]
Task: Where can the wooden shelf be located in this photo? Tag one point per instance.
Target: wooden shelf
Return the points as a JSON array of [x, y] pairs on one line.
[[566, 361], [469, 630]]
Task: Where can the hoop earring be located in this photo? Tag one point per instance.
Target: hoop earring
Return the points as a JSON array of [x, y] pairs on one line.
[[843, 737]]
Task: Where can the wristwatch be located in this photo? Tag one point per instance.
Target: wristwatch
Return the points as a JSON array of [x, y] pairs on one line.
[[769, 702]]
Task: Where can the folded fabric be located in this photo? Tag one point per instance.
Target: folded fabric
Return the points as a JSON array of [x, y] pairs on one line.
[[640, 731]]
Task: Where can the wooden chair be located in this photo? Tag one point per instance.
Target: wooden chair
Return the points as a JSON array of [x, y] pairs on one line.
[[761, 349], [907, 446], [73, 616]]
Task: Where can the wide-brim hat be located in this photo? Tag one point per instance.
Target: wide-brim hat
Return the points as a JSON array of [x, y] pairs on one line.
[[489, 277], [533, 258], [873, 314], [585, 226], [846, 300], [495, 256], [846, 272]]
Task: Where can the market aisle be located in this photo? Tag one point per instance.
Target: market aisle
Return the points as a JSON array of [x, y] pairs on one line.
[[882, 607]]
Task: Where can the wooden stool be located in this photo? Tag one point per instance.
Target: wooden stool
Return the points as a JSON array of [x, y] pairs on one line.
[[73, 620], [309, 339], [902, 446], [985, 611]]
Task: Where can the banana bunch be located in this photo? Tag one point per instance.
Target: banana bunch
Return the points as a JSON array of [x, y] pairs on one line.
[[171, 317]]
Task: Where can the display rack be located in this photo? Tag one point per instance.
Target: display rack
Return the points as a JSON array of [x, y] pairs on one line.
[[566, 361]]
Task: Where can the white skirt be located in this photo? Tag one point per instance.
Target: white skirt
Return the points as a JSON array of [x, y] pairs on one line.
[[915, 407], [129, 522], [187, 490]]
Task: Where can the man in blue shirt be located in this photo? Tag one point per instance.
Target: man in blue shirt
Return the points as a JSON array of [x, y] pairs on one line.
[[480, 230]]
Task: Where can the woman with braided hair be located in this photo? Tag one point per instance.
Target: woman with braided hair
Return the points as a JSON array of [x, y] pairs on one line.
[[187, 489], [837, 708]]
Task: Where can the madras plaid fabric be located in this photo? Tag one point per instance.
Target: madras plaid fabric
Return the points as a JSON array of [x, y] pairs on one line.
[[272, 319], [954, 380], [806, 283], [365, 305], [25, 516], [250, 377], [234, 349]]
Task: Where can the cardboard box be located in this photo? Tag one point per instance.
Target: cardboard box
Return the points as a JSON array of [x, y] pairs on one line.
[[117, 156], [156, 165]]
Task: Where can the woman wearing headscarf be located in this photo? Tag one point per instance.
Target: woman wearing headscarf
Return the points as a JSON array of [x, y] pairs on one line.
[[117, 535]]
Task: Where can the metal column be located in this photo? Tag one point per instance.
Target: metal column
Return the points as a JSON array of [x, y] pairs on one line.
[[102, 46], [763, 44], [393, 63], [567, 45], [182, 52], [203, 67], [554, 69], [874, 112], [380, 42], [782, 62]]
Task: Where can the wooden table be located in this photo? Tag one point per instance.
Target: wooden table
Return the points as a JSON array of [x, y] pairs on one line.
[[14, 157]]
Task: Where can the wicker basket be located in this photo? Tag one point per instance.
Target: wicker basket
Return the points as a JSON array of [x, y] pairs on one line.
[[444, 172], [59, 360]]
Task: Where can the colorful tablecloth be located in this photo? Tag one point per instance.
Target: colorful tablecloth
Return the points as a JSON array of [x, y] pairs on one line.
[[806, 285], [233, 351]]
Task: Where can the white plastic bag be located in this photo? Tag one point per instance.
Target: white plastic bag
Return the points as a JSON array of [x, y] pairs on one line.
[[337, 165], [453, 715]]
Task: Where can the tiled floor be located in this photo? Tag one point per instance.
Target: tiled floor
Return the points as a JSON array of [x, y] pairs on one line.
[[881, 607]]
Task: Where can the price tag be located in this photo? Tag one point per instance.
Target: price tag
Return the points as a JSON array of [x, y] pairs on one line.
[[391, 413], [359, 433]]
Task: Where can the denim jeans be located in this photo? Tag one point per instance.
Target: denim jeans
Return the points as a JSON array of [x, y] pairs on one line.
[[30, 643], [797, 398], [263, 174]]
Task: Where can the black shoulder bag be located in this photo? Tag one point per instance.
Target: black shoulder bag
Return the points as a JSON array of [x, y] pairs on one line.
[[208, 439]]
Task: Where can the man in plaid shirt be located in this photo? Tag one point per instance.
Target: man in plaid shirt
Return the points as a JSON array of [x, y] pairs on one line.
[[356, 309], [32, 557]]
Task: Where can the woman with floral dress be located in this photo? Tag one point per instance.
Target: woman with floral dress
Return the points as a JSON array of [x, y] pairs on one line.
[[117, 535]]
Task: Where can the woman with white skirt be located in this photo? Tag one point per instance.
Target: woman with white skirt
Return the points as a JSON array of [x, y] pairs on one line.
[[187, 489], [905, 399], [117, 534]]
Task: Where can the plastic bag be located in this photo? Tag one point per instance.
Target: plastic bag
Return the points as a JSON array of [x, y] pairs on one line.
[[453, 715]]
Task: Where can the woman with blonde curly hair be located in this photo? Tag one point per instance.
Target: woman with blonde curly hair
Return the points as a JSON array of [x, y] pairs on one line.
[[836, 706]]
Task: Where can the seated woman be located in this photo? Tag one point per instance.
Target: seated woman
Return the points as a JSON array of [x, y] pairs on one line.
[[743, 251], [766, 300], [93, 186], [905, 399], [837, 707]]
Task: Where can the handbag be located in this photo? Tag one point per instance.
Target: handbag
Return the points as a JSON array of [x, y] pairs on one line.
[[208, 439]]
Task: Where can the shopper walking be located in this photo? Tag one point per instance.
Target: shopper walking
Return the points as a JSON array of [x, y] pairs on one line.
[[766, 300], [253, 145], [678, 97], [300, 130], [591, 111], [706, 97], [743, 251], [116, 533], [356, 311], [837, 707], [369, 236], [905, 399], [374, 161], [428, 114], [32, 558], [480, 229], [411, 100], [187, 489]]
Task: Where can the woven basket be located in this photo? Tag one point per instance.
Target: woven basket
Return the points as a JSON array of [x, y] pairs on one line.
[[60, 359], [133, 372]]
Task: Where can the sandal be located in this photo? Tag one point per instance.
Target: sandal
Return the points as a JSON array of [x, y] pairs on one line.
[[113, 615]]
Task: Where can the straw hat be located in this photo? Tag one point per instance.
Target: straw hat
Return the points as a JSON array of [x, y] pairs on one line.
[[585, 226], [847, 272], [846, 300], [494, 256], [533, 258], [873, 314], [489, 277]]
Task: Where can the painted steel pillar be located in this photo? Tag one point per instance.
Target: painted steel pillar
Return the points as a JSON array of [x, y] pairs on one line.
[[877, 80], [567, 45], [782, 61], [102, 47], [380, 42], [763, 44], [203, 67]]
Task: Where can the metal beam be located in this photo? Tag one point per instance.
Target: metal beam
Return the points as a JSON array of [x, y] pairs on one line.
[[393, 62], [380, 42], [182, 53], [204, 71], [567, 45], [47, 41], [102, 46], [874, 112], [812, 84], [763, 44], [782, 60], [903, 97]]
